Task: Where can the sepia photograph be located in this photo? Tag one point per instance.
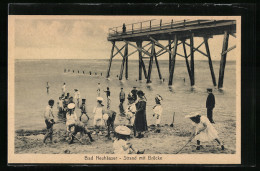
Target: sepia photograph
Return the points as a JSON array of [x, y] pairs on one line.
[[124, 89]]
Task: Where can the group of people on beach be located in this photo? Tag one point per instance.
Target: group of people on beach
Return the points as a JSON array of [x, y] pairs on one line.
[[135, 115]]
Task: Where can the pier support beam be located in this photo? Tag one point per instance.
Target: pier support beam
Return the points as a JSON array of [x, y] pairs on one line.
[[122, 65], [210, 62], [126, 61], [173, 55], [157, 64], [170, 49], [150, 64], [110, 60], [139, 44], [223, 60], [186, 60], [192, 60]]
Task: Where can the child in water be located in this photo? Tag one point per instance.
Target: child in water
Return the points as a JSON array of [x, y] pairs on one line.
[[121, 144]]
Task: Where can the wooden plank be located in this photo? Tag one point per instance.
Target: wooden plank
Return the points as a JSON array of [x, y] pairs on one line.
[[110, 60], [186, 60], [196, 49], [192, 60], [173, 60], [137, 50], [210, 62], [231, 48], [223, 60]]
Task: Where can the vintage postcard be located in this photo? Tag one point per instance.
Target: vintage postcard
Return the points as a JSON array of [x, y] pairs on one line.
[[124, 89]]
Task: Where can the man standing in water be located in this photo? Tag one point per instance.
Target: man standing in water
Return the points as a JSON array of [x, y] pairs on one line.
[[210, 104], [122, 99], [108, 97], [47, 87], [49, 120], [98, 90], [63, 88], [77, 96]]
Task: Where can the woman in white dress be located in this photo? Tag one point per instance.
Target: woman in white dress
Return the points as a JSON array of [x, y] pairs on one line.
[[98, 114], [157, 109], [203, 130], [131, 110]]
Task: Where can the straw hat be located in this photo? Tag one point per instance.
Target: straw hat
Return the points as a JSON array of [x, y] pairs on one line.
[[193, 114], [123, 130], [105, 116], [100, 99], [71, 106]]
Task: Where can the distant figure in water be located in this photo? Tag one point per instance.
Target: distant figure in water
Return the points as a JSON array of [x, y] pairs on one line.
[[73, 71], [83, 72], [135, 80], [101, 73], [64, 70], [184, 80], [98, 90], [89, 72], [95, 73], [108, 97], [163, 79], [78, 71], [63, 88], [47, 87]]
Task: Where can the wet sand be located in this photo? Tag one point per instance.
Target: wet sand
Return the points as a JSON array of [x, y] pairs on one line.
[[168, 141]]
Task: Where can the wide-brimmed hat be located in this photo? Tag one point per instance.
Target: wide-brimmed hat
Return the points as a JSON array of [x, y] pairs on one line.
[[100, 99], [123, 130], [75, 89], [71, 106], [193, 114], [140, 93]]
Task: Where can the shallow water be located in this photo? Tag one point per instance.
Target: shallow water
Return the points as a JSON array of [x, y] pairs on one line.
[[31, 97]]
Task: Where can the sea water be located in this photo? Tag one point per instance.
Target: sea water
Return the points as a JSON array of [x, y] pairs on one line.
[[31, 98]]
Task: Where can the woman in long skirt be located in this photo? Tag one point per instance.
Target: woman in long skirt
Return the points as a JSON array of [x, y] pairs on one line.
[[140, 123], [203, 130]]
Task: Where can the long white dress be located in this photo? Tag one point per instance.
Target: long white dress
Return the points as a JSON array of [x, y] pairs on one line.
[[158, 113], [98, 116], [209, 134]]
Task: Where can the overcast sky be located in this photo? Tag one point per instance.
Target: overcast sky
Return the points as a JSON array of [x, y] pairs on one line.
[[85, 37]]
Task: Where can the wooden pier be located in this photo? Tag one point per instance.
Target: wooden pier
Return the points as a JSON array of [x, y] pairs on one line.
[[175, 33]]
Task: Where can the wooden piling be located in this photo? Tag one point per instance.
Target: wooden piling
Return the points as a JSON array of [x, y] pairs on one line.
[[192, 60], [150, 65], [210, 62], [139, 44], [110, 60], [122, 67], [173, 60], [170, 49], [157, 64], [223, 60], [186, 59], [126, 61]]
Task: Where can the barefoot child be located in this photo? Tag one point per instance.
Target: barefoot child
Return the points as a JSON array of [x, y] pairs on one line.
[[71, 117], [83, 109], [203, 130], [157, 109], [49, 120], [131, 109], [109, 118], [121, 144]]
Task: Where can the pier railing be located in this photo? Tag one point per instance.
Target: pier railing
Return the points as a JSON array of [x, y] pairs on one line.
[[152, 25]]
